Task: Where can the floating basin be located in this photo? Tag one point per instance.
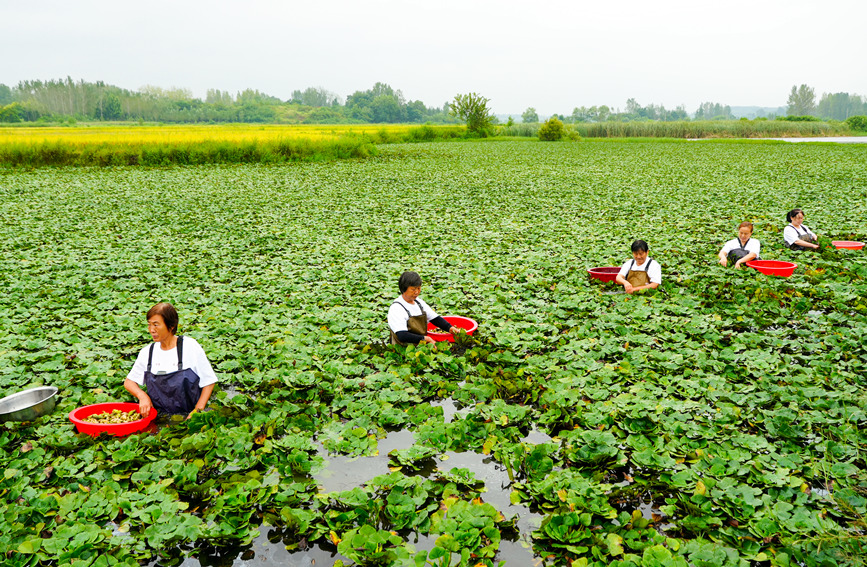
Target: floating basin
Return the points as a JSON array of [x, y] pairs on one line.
[[773, 267], [604, 274], [119, 429], [464, 323]]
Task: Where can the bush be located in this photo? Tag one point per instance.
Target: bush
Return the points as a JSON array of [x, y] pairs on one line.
[[552, 130], [857, 123], [799, 118]]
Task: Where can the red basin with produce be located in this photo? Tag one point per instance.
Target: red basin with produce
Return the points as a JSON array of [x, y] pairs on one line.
[[848, 244], [773, 267], [464, 323], [77, 417], [604, 274]]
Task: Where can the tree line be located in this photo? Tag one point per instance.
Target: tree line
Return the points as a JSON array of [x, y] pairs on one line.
[[69, 100], [801, 103]]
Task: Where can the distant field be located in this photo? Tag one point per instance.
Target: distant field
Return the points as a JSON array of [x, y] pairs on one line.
[[186, 133], [113, 145]]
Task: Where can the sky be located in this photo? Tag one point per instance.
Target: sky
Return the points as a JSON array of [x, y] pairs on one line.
[[549, 55]]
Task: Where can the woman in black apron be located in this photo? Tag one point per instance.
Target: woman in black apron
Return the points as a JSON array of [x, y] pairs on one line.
[[174, 370], [797, 236], [640, 272], [742, 249], [408, 315]]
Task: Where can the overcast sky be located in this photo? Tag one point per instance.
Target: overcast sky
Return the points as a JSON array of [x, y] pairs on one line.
[[551, 55]]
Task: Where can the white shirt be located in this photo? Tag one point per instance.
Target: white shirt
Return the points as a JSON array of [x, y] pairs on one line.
[[397, 315], [167, 361], [791, 234], [753, 246], [654, 274]]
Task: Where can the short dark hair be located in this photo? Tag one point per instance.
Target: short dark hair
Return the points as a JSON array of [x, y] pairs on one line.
[[169, 314], [408, 280], [640, 246], [792, 214]]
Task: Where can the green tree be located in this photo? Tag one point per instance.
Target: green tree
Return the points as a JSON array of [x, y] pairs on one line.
[[110, 108], [11, 113], [552, 130], [386, 109], [473, 109], [6, 96], [529, 115], [802, 101], [857, 123], [840, 106]]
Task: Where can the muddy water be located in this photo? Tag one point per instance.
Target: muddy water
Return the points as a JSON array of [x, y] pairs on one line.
[[344, 473], [837, 139]]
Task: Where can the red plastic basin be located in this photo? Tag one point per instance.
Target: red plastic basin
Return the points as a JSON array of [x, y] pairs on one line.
[[606, 274], [848, 244], [76, 416], [773, 267], [464, 323]]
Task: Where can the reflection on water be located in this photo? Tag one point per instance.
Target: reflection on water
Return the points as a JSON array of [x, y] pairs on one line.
[[450, 410], [341, 473], [268, 549]]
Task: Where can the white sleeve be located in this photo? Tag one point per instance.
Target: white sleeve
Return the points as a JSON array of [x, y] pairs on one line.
[[139, 367], [729, 246], [431, 314], [397, 318], [624, 269], [200, 364], [754, 245], [654, 273], [790, 235]]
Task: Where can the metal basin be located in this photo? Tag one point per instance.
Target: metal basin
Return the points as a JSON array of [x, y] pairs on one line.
[[29, 404]]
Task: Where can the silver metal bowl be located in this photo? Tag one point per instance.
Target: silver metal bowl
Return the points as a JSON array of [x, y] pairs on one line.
[[29, 404]]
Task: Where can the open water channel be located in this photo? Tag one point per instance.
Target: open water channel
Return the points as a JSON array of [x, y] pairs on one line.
[[344, 473]]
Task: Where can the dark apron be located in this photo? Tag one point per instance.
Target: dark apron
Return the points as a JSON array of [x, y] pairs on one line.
[[174, 392], [738, 253], [805, 236], [638, 278], [415, 324]]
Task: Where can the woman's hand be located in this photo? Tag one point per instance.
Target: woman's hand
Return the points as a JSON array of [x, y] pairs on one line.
[[144, 405], [723, 261], [628, 287], [429, 340], [454, 330]]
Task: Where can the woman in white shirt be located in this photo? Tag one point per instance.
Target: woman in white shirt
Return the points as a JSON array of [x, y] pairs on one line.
[[174, 370], [797, 235], [641, 272], [408, 315], [742, 249]]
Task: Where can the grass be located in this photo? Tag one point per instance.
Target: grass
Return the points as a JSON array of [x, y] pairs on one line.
[[692, 130]]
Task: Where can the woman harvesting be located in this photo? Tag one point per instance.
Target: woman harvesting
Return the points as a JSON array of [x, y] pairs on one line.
[[797, 235], [641, 272], [742, 249], [408, 315], [174, 370]]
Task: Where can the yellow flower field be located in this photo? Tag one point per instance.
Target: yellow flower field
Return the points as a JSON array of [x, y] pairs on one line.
[[188, 133]]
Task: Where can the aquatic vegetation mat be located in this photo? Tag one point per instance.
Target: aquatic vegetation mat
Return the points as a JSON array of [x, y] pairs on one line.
[[716, 421]]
